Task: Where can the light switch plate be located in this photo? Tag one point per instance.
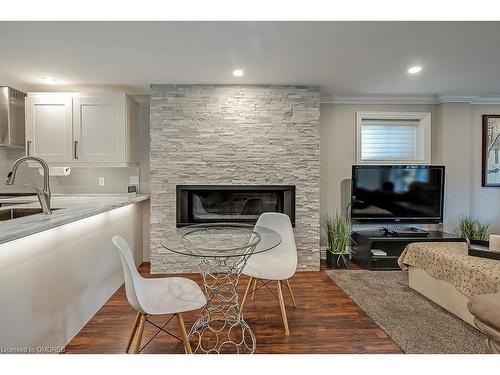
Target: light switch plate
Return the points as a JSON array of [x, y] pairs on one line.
[[101, 181]]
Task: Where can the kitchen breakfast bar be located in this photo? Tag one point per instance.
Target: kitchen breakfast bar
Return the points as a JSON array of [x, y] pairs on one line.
[[56, 271]]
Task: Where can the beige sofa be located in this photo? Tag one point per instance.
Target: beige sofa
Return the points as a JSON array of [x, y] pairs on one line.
[[440, 292], [444, 273], [486, 309]]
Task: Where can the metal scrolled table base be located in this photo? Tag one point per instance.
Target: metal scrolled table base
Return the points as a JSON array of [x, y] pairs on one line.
[[221, 327]]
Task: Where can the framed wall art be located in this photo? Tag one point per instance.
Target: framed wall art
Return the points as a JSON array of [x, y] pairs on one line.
[[491, 150]]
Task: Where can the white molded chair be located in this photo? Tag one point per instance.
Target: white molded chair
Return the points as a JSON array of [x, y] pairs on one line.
[[157, 296], [278, 264]]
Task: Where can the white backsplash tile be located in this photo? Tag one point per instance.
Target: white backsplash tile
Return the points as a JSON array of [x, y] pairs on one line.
[[82, 180]]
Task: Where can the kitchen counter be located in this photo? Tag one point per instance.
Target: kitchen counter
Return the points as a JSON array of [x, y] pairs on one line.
[[68, 209], [59, 270]]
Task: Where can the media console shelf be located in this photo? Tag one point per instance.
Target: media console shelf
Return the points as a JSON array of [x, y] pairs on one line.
[[366, 241]]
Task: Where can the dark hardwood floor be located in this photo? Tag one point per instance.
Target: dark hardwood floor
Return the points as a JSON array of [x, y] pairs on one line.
[[324, 321]]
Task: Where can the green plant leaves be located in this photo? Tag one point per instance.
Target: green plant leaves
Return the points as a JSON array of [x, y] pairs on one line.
[[338, 232], [471, 228]]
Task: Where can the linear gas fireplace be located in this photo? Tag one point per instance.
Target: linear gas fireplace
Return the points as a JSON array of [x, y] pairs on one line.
[[198, 204]]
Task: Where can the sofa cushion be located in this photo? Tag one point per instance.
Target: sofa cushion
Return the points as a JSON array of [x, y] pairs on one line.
[[486, 307]]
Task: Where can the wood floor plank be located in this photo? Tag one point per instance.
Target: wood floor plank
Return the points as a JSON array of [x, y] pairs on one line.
[[325, 320]]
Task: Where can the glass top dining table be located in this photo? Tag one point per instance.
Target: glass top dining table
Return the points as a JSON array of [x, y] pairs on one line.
[[222, 250], [221, 240]]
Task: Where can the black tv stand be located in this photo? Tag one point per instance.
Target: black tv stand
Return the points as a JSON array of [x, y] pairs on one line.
[[392, 245], [404, 232]]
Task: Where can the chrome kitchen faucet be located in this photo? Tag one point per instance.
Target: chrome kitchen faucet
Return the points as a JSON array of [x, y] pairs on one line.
[[43, 195]]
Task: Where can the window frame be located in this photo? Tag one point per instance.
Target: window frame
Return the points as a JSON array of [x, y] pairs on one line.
[[423, 135]]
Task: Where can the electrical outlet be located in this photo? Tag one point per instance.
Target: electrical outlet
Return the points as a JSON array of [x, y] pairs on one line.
[[101, 181]]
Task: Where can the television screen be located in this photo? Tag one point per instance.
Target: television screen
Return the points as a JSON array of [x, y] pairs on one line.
[[397, 193]]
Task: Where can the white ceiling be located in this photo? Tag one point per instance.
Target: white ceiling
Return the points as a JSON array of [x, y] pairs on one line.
[[343, 58]]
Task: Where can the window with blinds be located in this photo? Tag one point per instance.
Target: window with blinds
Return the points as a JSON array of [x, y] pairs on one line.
[[388, 140], [393, 138]]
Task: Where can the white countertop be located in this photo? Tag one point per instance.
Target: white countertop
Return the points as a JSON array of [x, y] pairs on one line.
[[70, 208]]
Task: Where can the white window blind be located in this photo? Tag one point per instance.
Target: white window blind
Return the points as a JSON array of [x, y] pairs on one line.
[[389, 139]]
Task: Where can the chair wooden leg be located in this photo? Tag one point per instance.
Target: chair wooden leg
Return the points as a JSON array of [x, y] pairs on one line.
[[139, 335], [246, 292], [291, 293], [282, 306], [134, 329], [254, 287], [187, 345]]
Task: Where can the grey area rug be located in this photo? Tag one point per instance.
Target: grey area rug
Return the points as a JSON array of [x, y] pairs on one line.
[[414, 323]]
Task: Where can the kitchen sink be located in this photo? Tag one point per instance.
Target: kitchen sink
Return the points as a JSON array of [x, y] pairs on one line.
[[16, 203], [15, 213], [15, 199]]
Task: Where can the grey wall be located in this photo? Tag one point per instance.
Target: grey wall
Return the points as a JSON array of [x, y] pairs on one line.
[[338, 148], [24, 175], [234, 135], [456, 143], [85, 180], [485, 202], [82, 180], [453, 149], [144, 140]]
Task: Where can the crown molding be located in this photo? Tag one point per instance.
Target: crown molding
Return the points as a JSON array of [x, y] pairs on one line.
[[488, 99], [379, 99], [454, 98], [390, 99], [411, 99]]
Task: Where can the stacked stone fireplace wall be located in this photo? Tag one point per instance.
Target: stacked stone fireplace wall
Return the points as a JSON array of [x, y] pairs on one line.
[[224, 135]]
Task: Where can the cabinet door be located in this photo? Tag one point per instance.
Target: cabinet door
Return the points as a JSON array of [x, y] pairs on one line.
[[100, 128], [49, 127]]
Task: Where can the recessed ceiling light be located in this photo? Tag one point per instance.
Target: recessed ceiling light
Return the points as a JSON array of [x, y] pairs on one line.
[[238, 73], [415, 69], [49, 80]]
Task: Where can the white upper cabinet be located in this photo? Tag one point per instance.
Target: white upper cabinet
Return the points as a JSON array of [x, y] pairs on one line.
[[49, 127], [100, 128], [96, 129]]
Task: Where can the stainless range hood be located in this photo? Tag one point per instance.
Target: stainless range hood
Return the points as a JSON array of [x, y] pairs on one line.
[[11, 117]]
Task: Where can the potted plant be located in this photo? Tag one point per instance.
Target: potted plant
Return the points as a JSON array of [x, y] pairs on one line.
[[338, 231], [472, 230]]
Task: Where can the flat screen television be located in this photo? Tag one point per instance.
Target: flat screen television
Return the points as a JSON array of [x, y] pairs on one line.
[[397, 193]]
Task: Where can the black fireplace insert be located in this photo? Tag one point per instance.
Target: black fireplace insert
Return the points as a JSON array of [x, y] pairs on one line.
[[198, 204]]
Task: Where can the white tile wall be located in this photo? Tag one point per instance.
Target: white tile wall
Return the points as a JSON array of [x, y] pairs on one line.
[[234, 135]]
